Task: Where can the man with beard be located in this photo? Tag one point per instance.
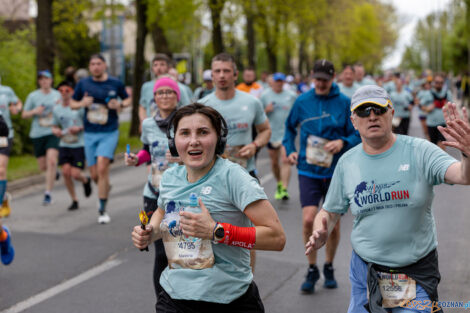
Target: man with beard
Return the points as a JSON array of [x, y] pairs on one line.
[[249, 84]]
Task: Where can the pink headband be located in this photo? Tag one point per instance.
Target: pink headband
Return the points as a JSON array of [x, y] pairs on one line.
[[167, 82]]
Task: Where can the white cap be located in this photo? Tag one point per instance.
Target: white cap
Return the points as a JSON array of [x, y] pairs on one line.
[[207, 75]]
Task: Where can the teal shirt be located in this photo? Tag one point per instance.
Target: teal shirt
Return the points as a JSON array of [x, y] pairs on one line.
[[425, 98], [390, 195], [147, 98], [240, 113], [282, 103], [348, 91], [401, 101], [65, 117], [436, 117], [7, 97], [365, 81], [226, 191], [157, 141], [389, 86], [49, 100]]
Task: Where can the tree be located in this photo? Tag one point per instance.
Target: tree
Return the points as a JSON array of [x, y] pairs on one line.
[[44, 36], [216, 7]]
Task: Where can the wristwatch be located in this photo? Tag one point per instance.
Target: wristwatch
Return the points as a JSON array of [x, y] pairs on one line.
[[219, 232]]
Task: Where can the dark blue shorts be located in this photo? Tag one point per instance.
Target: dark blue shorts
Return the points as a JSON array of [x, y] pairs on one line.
[[312, 190]]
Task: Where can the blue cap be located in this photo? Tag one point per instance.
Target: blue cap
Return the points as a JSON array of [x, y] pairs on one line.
[[45, 73], [279, 76], [193, 199]]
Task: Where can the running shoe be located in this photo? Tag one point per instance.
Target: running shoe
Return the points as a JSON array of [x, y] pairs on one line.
[[330, 281], [87, 187], [284, 194], [313, 275], [57, 175], [104, 218], [73, 206], [47, 200], [278, 195], [5, 208], [6, 249]]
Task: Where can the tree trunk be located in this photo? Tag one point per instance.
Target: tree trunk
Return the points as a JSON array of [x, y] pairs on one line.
[[139, 66], [302, 57], [44, 37], [160, 43], [250, 37], [216, 7]]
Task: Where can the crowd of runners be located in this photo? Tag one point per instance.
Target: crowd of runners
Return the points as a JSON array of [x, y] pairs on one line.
[[345, 132]]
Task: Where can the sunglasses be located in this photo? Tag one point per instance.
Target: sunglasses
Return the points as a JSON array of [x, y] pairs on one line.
[[364, 111]]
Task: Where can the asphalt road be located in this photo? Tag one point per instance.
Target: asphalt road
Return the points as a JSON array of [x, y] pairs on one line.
[[67, 262]]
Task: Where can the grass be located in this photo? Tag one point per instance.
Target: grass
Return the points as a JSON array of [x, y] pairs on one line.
[[21, 166]]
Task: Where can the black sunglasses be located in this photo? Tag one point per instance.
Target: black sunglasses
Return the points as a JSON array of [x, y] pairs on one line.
[[364, 110]]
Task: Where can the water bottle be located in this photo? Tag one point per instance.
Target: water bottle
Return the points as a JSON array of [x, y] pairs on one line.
[[193, 208]]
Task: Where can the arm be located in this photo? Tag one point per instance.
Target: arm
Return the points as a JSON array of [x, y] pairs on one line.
[[322, 227], [264, 133], [143, 238], [15, 108], [29, 110]]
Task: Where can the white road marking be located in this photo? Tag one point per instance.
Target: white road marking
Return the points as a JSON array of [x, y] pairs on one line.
[[52, 292]]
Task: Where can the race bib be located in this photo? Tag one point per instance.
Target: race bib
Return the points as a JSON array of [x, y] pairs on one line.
[[97, 114], [231, 153], [3, 142], [396, 289], [183, 251], [316, 153], [439, 103], [46, 120], [157, 171], [70, 138]]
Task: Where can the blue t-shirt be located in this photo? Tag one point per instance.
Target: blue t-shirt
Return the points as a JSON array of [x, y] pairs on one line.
[[241, 113], [7, 97], [348, 91], [390, 195], [401, 101], [102, 92], [41, 125], [436, 117], [226, 191], [282, 103], [147, 97], [65, 117]]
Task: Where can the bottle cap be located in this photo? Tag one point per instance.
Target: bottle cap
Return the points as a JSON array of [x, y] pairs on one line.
[[193, 199]]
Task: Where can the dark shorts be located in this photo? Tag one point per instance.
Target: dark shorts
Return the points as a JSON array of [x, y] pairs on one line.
[[42, 144], [435, 135], [402, 129], [422, 117], [73, 156], [271, 147], [7, 150], [249, 302], [312, 190]]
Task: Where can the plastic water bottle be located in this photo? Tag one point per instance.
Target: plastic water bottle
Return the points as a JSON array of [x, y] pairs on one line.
[[193, 204]]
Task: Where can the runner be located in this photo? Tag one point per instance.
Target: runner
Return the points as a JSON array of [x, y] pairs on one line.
[[359, 73], [184, 89], [423, 99], [387, 181], [403, 104], [207, 87], [103, 97], [68, 126], [39, 105], [277, 104], [249, 84], [167, 95], [203, 276], [325, 134], [348, 86], [9, 104], [160, 66]]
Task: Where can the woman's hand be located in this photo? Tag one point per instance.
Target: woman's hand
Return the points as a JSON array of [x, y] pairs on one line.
[[457, 130], [200, 225], [142, 238], [131, 159]]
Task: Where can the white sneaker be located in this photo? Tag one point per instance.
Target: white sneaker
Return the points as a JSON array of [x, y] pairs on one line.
[[104, 218]]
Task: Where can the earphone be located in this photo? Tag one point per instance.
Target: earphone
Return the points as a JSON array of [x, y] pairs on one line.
[[221, 141]]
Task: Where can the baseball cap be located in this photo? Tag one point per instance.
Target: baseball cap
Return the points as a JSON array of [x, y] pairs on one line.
[[279, 76], [323, 69], [207, 75], [45, 73], [370, 94]]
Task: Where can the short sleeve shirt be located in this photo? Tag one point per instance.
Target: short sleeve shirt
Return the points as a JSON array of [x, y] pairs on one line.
[[7, 96], [49, 101], [401, 101], [436, 117], [226, 191], [390, 195], [425, 98], [65, 117], [241, 113], [282, 103], [348, 91]]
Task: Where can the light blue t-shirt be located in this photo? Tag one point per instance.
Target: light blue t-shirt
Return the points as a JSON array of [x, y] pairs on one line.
[[282, 103], [241, 113], [389, 86], [401, 101], [7, 96], [226, 191], [65, 117], [147, 97], [41, 125], [390, 195], [366, 81], [157, 141], [436, 117], [348, 91], [425, 98]]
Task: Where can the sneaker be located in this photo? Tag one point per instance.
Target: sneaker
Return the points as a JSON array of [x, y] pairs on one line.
[[284, 194], [87, 187], [104, 218], [47, 200], [313, 275], [5, 208], [6, 249], [278, 194], [73, 206], [57, 175], [330, 281]]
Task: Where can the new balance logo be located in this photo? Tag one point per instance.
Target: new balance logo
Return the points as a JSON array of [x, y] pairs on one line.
[[403, 167]]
